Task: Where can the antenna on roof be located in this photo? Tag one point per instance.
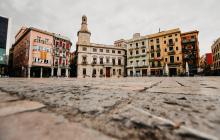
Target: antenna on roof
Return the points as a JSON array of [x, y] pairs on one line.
[[159, 30]]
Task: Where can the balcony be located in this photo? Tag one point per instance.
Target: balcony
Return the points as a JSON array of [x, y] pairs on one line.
[[171, 52], [151, 50], [158, 50], [192, 40], [84, 63], [189, 40], [120, 64], [171, 44], [101, 63], [108, 64], [151, 59], [158, 58], [94, 63]]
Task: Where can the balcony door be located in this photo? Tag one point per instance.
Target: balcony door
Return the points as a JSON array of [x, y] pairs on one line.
[[108, 71]]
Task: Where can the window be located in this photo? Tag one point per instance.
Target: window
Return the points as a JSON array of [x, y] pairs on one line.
[[143, 50], [171, 59], [137, 61], [113, 61], [130, 52], [170, 41], [171, 48], [143, 62], [131, 73], [119, 71], [94, 60], [119, 61], [119, 52], [136, 44], [94, 50], [176, 39], [177, 58], [113, 71], [177, 48], [158, 46], [84, 59], [84, 49], [107, 51], [151, 40], [131, 62], [143, 43], [130, 45], [107, 60], [84, 71], [101, 71], [175, 34], [158, 54], [152, 55], [101, 50], [94, 73], [165, 59], [165, 41], [165, 50], [158, 41], [137, 52], [38, 39], [113, 51], [101, 60], [152, 47], [159, 64]]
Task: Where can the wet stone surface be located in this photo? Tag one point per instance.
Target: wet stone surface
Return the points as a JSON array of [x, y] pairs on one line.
[[129, 108]]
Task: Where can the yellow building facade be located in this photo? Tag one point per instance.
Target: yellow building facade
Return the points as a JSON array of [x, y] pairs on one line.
[[165, 48]]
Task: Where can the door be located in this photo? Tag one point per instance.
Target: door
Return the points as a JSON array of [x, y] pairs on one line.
[[108, 72], [172, 71]]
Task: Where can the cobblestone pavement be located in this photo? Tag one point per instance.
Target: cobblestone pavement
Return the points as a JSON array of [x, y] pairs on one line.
[[126, 108]]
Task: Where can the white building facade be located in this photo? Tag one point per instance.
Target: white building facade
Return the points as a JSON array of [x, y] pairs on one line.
[[137, 55], [98, 60]]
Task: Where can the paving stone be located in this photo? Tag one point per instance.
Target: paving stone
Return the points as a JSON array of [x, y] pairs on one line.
[[45, 126], [192, 102], [5, 97], [9, 108]]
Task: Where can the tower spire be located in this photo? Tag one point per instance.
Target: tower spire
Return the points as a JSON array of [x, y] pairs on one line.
[[84, 27], [84, 34]]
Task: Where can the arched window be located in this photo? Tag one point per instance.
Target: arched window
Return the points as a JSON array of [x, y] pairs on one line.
[[94, 73]]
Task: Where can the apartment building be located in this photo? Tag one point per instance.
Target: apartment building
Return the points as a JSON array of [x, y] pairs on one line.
[[165, 48], [34, 53], [216, 56], [98, 60], [190, 50], [137, 56]]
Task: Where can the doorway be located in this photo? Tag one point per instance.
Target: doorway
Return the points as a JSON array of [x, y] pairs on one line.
[[172, 71], [108, 71]]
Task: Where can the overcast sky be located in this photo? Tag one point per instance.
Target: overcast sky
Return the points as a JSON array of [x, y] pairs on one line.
[[110, 20]]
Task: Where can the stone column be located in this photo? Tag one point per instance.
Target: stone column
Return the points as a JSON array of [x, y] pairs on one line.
[[29, 72], [67, 72], [52, 71], [58, 72], [41, 72]]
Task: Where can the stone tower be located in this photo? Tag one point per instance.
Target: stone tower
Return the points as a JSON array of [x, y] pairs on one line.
[[84, 34]]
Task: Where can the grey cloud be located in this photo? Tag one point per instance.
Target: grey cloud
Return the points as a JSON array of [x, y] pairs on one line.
[[110, 20]]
